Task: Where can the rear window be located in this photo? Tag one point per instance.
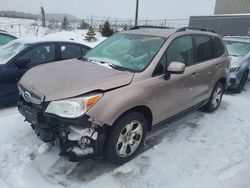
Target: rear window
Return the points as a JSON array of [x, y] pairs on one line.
[[204, 47], [219, 49]]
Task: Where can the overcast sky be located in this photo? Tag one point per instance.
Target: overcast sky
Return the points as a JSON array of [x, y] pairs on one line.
[[149, 9]]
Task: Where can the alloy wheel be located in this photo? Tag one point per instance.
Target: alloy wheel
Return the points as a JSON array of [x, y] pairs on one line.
[[217, 96], [129, 139]]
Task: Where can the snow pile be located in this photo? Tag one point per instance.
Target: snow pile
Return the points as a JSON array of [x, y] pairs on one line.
[[25, 28], [76, 35], [22, 27]]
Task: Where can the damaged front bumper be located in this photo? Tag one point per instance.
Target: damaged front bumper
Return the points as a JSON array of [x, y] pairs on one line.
[[78, 138]]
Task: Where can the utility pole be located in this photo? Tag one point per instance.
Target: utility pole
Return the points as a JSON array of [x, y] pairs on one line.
[[43, 17], [136, 12]]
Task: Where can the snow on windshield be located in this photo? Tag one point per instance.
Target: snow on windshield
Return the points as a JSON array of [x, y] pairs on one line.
[[238, 48], [10, 50]]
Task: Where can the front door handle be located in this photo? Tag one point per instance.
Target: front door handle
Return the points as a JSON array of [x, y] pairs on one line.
[[194, 75]]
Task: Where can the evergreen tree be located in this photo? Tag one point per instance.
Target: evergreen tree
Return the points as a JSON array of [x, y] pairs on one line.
[[125, 27], [106, 30], [90, 36], [65, 23], [84, 25]]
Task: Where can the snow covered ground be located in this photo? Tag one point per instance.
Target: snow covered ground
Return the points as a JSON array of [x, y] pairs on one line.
[[197, 150]]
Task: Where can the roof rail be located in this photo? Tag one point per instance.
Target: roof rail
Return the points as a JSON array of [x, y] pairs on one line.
[[147, 26], [195, 28]]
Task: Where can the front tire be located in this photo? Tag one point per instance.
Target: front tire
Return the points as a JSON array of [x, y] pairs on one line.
[[215, 98], [126, 138]]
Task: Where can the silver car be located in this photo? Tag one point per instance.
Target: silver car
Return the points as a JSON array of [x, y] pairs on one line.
[[239, 50]]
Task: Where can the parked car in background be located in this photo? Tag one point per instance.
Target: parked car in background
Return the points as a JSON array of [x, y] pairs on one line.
[[239, 50], [20, 55], [103, 107], [6, 37]]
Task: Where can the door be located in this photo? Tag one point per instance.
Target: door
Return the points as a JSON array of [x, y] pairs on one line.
[[176, 93], [10, 77], [205, 66]]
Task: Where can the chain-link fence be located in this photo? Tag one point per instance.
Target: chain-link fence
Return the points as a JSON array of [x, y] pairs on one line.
[[33, 28], [225, 25]]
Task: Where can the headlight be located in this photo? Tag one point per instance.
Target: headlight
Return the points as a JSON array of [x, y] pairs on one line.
[[74, 107], [234, 69]]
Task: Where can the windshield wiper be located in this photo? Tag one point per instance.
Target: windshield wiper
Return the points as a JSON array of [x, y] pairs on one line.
[[117, 67], [111, 65], [234, 55]]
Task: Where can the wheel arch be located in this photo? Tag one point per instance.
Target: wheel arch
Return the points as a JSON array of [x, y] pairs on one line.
[[143, 110], [223, 80]]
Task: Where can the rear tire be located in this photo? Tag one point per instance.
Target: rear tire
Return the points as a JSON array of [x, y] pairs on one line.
[[242, 84], [215, 98], [126, 138]]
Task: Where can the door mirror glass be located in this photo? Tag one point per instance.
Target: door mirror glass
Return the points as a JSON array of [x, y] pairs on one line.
[[176, 68], [22, 62]]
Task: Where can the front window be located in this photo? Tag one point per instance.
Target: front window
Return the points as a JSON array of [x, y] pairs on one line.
[[237, 48], [129, 52], [9, 50], [41, 54]]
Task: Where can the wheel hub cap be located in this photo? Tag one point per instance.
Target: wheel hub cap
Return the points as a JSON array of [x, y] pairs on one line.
[[217, 97], [129, 139]]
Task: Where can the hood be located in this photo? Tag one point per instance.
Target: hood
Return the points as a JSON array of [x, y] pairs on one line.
[[70, 78], [235, 61]]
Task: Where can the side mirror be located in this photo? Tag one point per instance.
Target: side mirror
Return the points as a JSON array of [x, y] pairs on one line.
[[22, 62], [176, 68]]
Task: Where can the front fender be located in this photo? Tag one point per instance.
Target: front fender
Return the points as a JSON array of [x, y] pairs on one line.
[[116, 102]]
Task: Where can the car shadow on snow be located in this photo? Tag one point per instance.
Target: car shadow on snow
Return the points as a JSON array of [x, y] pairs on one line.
[[64, 171]]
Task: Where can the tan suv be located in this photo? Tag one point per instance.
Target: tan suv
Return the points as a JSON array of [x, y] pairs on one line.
[[104, 105]]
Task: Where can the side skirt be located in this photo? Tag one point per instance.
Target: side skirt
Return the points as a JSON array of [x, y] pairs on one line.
[[185, 112]]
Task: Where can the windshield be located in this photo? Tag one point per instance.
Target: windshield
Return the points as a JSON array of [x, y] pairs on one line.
[[237, 48], [130, 52], [10, 50]]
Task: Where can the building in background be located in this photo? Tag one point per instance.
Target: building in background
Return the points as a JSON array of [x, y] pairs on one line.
[[238, 24], [231, 17], [232, 7]]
